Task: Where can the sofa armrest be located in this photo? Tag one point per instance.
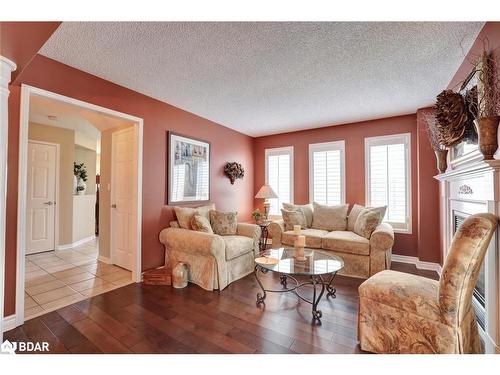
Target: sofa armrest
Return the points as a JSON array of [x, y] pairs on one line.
[[252, 231], [275, 230], [382, 237], [194, 242]]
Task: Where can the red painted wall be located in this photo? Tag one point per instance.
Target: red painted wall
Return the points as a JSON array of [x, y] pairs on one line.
[[21, 41], [489, 37], [227, 145], [428, 195], [354, 136]]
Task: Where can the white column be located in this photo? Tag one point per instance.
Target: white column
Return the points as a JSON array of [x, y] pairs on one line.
[[6, 68]]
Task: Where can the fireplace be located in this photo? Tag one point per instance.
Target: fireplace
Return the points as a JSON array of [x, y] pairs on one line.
[[469, 188], [479, 296]]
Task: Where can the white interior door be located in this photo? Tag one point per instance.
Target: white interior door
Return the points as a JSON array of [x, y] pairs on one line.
[[123, 198], [41, 197]]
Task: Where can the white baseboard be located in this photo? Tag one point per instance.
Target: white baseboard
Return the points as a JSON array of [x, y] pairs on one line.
[[9, 322], [104, 259], [421, 265], [76, 243]]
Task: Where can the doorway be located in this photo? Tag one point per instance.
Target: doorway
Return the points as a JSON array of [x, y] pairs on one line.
[[43, 179], [62, 263]]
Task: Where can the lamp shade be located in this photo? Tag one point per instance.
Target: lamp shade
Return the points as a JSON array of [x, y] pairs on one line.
[[266, 192]]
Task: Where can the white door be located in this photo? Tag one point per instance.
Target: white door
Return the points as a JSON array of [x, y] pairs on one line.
[[41, 197], [123, 198]]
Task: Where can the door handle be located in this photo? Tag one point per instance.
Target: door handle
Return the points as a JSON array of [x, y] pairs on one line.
[[113, 205], [49, 203]]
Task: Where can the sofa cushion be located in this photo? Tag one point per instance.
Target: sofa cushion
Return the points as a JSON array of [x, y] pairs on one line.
[[368, 219], [415, 294], [330, 217], [307, 210], [313, 237], [356, 209], [184, 214], [201, 224], [346, 242], [224, 223], [291, 218], [237, 245]]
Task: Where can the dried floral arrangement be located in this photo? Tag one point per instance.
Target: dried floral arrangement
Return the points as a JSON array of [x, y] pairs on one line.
[[234, 171], [487, 103], [433, 132], [451, 117]]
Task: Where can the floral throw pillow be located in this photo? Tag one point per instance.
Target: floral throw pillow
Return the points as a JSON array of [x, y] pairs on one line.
[[201, 224], [307, 210], [366, 222], [330, 218], [184, 214], [292, 218], [223, 223]]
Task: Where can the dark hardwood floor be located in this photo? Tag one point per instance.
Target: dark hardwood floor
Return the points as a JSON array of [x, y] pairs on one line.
[[159, 319]]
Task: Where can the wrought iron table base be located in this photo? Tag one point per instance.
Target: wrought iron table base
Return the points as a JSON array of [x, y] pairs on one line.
[[316, 281]]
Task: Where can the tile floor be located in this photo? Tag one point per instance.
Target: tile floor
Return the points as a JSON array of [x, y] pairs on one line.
[[55, 279]]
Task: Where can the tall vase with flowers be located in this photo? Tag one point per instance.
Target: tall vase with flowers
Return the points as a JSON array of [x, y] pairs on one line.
[[487, 106], [434, 139]]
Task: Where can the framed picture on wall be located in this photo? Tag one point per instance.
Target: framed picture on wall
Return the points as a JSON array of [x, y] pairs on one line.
[[188, 173]]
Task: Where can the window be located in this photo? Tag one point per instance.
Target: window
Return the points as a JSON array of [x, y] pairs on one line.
[[326, 173], [279, 175], [388, 178]]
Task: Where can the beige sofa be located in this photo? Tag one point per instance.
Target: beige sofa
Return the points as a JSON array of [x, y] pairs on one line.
[[213, 261], [362, 257]]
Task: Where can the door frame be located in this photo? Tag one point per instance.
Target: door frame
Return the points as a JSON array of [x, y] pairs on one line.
[[26, 92], [56, 208], [113, 190]]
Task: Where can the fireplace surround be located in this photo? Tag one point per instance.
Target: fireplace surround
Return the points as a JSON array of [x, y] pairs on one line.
[[467, 188]]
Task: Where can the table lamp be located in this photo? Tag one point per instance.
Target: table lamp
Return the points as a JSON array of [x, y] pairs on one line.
[[266, 193]]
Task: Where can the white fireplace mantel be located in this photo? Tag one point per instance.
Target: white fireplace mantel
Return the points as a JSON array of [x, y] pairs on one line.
[[467, 189]]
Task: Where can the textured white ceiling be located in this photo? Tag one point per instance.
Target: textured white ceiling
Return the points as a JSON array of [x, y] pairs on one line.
[[265, 78]]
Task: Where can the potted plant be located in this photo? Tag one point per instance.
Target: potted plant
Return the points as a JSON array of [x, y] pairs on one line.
[[80, 190], [487, 106], [257, 216], [80, 172], [434, 139]]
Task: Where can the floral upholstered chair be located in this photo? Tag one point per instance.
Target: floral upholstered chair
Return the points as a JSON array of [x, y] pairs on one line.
[[403, 313]]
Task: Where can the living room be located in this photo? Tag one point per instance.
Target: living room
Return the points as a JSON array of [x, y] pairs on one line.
[[297, 187]]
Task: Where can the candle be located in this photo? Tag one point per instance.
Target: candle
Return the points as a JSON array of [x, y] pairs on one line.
[[301, 241], [296, 229]]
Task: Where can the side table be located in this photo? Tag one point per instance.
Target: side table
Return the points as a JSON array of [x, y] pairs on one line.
[[264, 235]]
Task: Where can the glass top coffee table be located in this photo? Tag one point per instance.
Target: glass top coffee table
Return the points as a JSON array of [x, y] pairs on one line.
[[318, 266]]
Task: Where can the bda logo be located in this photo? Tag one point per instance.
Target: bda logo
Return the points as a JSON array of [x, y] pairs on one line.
[[7, 348]]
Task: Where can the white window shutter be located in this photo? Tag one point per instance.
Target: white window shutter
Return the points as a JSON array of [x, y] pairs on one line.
[[326, 163], [279, 172], [388, 177]]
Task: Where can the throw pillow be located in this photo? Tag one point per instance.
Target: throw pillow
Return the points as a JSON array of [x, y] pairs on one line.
[[224, 223], [184, 214], [201, 224], [330, 217], [356, 209], [368, 219], [307, 210], [292, 218]]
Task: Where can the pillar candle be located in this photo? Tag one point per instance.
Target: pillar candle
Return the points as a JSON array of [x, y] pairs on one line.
[[296, 229], [301, 241]]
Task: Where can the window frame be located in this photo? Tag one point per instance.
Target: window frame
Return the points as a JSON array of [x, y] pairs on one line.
[[328, 146], [385, 140], [287, 150]]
